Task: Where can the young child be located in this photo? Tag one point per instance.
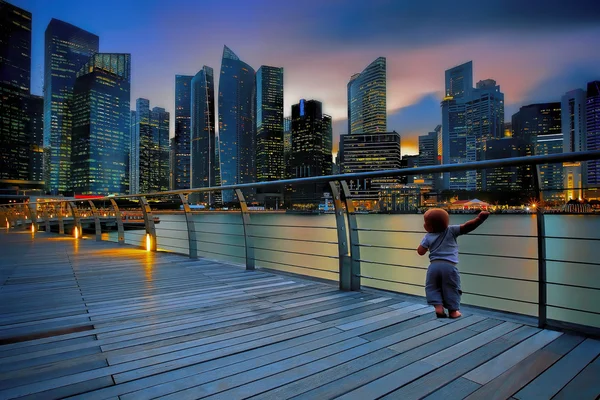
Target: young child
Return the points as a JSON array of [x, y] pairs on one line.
[[442, 285]]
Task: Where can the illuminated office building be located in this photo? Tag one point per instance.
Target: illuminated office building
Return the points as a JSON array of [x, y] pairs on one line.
[[270, 164], [573, 120], [101, 125], [593, 131], [67, 49], [367, 99], [363, 152], [237, 138], [181, 167], [202, 155], [513, 179], [540, 125], [21, 114]]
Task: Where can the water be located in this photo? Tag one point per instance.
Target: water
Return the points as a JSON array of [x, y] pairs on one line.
[[498, 262]]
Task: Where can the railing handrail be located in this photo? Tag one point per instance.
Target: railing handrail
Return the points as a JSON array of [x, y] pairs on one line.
[[444, 168]]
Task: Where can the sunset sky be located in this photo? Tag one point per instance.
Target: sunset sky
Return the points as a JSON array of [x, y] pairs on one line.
[[536, 50]]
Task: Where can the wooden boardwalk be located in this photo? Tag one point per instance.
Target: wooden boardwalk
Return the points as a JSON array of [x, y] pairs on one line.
[[101, 321]]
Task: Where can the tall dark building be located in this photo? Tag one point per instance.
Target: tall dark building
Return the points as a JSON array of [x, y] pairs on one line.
[[237, 141], [134, 153], [513, 179], [362, 152], [203, 131], [593, 131], [367, 111], [67, 49], [540, 125], [270, 164], [172, 163], [181, 170], [150, 136], [159, 170], [101, 125], [35, 128], [20, 149], [15, 46], [327, 145], [287, 144], [430, 154], [309, 143]]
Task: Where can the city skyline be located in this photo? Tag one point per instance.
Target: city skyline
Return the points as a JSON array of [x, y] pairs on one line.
[[535, 57]]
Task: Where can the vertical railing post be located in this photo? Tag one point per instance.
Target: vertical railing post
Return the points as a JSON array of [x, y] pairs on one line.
[[46, 216], [149, 222], [33, 213], [97, 223], [353, 235], [76, 219], [541, 241], [59, 215], [191, 227], [345, 261], [248, 240], [23, 216], [120, 228]]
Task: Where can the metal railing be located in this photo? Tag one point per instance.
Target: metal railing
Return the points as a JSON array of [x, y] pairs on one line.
[[524, 275]]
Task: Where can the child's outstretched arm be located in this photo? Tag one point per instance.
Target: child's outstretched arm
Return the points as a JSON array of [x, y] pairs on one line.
[[471, 225], [421, 250]]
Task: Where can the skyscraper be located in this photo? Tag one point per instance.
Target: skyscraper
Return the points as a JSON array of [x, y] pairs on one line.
[[34, 109], [159, 170], [308, 148], [367, 99], [134, 153], [573, 119], [327, 145], [287, 144], [362, 152], [20, 150], [101, 125], [429, 153], [514, 179], [459, 80], [181, 171], [269, 124], [593, 131], [141, 143], [237, 102], [15, 46], [540, 125], [469, 117], [68, 48], [203, 131], [484, 117]]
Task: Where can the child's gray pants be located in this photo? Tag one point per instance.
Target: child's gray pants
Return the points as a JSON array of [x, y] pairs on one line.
[[442, 285]]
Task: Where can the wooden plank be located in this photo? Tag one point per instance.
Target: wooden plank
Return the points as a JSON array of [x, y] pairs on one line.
[[560, 374], [511, 381], [456, 389], [508, 359], [584, 386], [453, 370]]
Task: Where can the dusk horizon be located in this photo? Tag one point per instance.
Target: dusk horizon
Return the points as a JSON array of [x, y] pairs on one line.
[[534, 57]]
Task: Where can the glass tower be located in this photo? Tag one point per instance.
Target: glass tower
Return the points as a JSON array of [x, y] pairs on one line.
[[67, 49], [593, 130], [101, 123], [203, 131], [367, 99], [181, 172], [269, 124], [150, 163], [134, 154], [19, 113], [540, 125], [459, 80], [573, 120], [237, 141]]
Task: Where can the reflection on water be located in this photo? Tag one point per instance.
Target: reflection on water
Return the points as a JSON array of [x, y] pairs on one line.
[[498, 262]]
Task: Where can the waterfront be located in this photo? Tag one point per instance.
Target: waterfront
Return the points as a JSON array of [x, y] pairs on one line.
[[498, 262]]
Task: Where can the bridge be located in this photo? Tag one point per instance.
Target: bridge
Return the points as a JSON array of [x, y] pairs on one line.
[[95, 316]]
